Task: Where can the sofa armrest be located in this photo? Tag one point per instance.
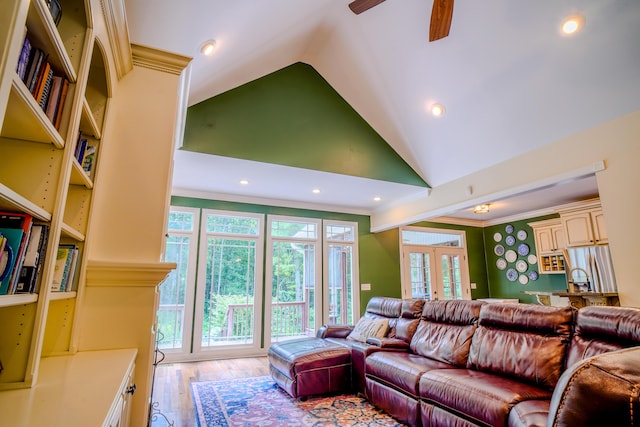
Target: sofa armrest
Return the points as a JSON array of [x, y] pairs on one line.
[[601, 390], [334, 331], [388, 343]]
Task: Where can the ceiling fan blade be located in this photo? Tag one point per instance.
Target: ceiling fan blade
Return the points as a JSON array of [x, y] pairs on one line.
[[440, 19], [359, 6]]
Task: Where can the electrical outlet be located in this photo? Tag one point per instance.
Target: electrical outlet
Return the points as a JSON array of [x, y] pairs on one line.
[[365, 286], [473, 286]]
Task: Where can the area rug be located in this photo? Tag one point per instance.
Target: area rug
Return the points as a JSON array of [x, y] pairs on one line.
[[258, 401]]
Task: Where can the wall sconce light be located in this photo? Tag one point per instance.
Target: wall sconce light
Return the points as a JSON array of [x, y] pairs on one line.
[[480, 209]]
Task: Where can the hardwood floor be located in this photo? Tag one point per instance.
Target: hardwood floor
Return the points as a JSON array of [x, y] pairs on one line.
[[172, 390]]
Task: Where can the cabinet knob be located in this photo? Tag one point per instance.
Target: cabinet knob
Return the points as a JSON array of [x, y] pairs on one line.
[[131, 389]]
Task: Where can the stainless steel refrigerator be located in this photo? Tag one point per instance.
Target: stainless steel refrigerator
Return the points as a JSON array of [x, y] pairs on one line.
[[590, 269]]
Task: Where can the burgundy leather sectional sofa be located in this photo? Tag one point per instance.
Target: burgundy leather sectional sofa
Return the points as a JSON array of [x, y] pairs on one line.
[[469, 363]]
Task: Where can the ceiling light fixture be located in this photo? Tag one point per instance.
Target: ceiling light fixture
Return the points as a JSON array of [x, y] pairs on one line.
[[572, 24], [377, 199], [244, 182], [316, 191], [481, 209], [208, 47], [437, 110]]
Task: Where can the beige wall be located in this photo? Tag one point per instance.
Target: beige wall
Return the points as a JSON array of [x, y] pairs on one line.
[[617, 143]]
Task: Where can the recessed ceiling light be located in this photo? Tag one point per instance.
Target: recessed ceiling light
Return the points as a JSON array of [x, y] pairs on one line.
[[437, 110], [316, 191], [572, 24], [208, 47], [244, 182], [377, 199]]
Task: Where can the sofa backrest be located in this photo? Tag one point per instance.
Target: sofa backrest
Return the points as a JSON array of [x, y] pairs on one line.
[[523, 341], [401, 313], [445, 330], [600, 329]]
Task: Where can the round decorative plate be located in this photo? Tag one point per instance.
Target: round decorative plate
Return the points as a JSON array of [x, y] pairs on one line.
[[533, 275], [522, 266], [532, 259], [511, 255], [510, 240], [497, 237], [524, 279], [522, 234], [512, 274], [501, 263], [523, 249], [509, 229], [499, 250]]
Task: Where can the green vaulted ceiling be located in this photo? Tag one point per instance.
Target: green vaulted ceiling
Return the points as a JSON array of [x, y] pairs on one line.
[[293, 117]]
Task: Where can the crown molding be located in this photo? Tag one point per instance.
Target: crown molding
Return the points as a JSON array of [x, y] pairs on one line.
[[159, 60], [118, 33]]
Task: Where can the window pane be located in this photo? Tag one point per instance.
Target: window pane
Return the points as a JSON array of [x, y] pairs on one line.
[[180, 221], [294, 229], [340, 233], [451, 277], [340, 284], [229, 292], [293, 290], [420, 275], [172, 294], [429, 238], [228, 224]]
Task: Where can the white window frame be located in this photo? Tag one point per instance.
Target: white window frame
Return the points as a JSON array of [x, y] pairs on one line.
[[268, 262], [239, 349], [355, 291], [406, 281]]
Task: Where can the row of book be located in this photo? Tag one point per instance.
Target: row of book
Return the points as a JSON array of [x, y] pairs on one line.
[[65, 269], [85, 154], [47, 86], [23, 244]]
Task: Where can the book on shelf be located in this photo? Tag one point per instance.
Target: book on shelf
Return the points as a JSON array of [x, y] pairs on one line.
[[60, 102], [80, 151], [23, 60], [89, 159], [18, 245], [35, 62], [55, 10], [64, 272], [44, 86], [29, 279], [12, 246]]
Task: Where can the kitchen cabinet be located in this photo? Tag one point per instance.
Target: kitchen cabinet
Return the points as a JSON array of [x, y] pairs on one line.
[[549, 241], [584, 227]]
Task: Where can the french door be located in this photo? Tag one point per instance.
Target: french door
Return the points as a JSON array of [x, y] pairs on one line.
[[433, 267]]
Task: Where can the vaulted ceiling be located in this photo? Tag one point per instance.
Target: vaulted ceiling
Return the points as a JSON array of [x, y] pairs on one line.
[[509, 81]]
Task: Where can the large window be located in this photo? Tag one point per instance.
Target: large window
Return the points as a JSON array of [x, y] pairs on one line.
[[218, 303]]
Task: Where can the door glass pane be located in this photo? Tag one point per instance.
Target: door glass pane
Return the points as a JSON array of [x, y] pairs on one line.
[[340, 284], [420, 273], [451, 277], [293, 290], [172, 293], [228, 316], [432, 238]]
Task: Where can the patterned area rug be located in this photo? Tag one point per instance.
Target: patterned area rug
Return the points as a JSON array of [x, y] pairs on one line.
[[259, 401]]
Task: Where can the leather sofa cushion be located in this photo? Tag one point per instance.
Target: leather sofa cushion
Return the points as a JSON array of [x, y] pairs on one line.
[[400, 370], [602, 329], [532, 413], [523, 341], [306, 354], [478, 395], [445, 330], [600, 391]]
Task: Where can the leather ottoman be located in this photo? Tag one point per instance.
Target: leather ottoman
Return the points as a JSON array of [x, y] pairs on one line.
[[310, 366]]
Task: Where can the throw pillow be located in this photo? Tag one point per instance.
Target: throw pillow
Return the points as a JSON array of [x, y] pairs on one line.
[[366, 328]]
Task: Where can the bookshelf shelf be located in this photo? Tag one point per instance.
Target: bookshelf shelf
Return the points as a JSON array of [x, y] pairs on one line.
[[71, 232], [88, 124], [17, 299], [79, 176], [25, 119], [58, 296], [12, 201]]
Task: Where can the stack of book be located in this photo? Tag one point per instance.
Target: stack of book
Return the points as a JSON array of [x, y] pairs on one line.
[[23, 244], [65, 269]]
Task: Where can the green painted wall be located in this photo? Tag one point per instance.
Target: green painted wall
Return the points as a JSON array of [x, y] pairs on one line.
[[500, 286], [294, 117]]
